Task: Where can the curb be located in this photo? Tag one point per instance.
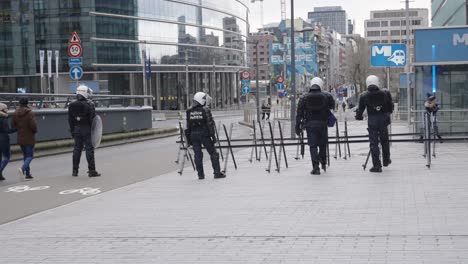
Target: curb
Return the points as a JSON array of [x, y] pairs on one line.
[[67, 143], [243, 123]]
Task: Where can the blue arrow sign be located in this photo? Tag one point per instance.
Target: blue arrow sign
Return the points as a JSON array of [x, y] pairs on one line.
[[75, 61], [245, 90], [76, 73], [280, 86]]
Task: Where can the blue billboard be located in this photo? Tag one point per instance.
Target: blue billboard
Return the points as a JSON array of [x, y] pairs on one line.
[[306, 56], [441, 46], [388, 55]]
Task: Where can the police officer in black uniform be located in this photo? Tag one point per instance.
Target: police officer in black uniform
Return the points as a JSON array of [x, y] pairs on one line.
[[80, 118], [379, 107], [312, 114], [201, 131]]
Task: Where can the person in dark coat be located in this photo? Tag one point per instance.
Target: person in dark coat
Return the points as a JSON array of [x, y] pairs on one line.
[[312, 114], [5, 130], [266, 110], [24, 120], [379, 107], [201, 132], [80, 119]]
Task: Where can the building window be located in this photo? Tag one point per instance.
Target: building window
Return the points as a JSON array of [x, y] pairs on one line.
[[384, 33], [395, 41], [395, 23], [373, 24], [373, 33], [384, 41], [416, 22], [384, 23], [395, 33]]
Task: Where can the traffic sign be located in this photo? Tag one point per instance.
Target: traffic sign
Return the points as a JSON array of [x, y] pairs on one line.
[[74, 38], [75, 61], [280, 79], [388, 55], [280, 86], [76, 73], [75, 50], [245, 75], [245, 90]]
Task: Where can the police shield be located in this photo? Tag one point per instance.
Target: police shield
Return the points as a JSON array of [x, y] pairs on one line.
[[96, 131]]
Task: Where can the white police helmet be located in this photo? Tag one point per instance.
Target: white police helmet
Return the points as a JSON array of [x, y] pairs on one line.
[[84, 91], [372, 80], [200, 97], [317, 81]]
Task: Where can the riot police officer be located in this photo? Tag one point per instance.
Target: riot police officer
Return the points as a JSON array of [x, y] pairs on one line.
[[312, 114], [201, 131], [379, 107], [80, 118]]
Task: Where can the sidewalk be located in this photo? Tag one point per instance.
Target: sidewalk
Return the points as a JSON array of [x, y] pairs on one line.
[[407, 214]]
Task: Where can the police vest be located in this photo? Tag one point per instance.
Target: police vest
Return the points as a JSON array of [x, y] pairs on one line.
[[316, 107], [377, 102]]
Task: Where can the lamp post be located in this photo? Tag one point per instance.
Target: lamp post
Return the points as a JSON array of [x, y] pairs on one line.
[[293, 75]]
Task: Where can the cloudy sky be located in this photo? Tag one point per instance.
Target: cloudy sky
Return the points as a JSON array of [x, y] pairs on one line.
[[359, 10]]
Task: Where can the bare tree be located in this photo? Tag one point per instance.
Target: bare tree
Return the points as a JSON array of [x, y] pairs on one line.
[[358, 55]]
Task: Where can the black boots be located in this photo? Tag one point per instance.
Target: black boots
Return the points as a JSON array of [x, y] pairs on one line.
[[93, 173], [219, 175], [387, 162], [315, 171], [376, 169], [75, 173]]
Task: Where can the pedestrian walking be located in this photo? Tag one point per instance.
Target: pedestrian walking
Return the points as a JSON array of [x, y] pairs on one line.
[[266, 110], [80, 119], [313, 112], [379, 107], [24, 120], [344, 106], [432, 108], [201, 132], [5, 132]]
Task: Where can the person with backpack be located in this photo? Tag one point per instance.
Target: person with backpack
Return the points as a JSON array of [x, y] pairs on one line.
[[5, 132], [379, 107], [313, 113]]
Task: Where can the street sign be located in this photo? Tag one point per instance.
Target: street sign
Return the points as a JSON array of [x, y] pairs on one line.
[[280, 79], [388, 55], [280, 86], [74, 38], [76, 73], [245, 90], [245, 75], [75, 50], [75, 61]]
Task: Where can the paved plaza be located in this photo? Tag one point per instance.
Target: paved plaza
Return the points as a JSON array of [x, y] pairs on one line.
[[407, 214]]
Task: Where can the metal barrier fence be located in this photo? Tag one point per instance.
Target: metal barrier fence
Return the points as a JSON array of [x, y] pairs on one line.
[[449, 121], [40, 101]]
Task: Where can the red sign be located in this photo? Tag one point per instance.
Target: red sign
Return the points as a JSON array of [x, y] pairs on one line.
[[280, 79], [75, 50], [245, 75], [74, 38]]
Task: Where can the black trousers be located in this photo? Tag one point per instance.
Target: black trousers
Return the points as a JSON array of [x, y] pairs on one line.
[[379, 134], [317, 140], [199, 140], [83, 140]]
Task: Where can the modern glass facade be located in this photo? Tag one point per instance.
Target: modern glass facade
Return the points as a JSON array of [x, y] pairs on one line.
[[334, 17], [449, 13], [204, 40]]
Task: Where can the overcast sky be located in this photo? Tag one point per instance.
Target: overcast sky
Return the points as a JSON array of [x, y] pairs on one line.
[[359, 10]]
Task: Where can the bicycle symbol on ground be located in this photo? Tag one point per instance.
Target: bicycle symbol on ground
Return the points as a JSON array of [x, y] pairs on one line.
[[83, 191], [26, 188]]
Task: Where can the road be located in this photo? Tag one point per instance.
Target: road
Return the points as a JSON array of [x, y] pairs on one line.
[[120, 166]]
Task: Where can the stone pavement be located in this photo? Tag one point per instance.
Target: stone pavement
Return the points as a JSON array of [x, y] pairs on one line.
[[407, 214]]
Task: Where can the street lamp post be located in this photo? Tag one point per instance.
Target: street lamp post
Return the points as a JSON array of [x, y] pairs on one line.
[[293, 75], [257, 92]]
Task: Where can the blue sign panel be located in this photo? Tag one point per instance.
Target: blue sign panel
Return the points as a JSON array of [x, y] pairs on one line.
[[245, 86], [441, 46], [388, 55], [280, 86], [75, 61], [76, 73]]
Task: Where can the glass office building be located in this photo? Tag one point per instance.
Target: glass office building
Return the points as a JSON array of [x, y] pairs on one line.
[[449, 12], [199, 44], [441, 68], [333, 17]]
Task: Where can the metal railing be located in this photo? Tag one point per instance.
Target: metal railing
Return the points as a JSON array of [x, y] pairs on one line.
[[40, 101], [455, 120]]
